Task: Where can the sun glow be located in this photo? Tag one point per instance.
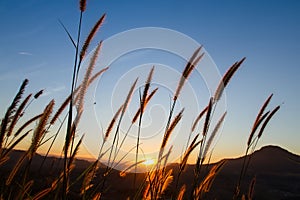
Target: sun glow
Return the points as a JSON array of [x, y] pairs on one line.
[[149, 162]]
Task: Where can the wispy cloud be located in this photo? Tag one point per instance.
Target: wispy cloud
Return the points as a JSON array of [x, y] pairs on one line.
[[59, 88], [25, 53], [52, 90]]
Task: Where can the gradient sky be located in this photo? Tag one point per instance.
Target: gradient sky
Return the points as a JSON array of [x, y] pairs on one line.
[[33, 45]]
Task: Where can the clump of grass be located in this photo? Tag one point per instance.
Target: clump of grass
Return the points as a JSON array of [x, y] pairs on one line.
[[158, 180]]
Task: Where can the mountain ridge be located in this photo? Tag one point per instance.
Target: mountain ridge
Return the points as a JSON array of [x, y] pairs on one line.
[[277, 172]]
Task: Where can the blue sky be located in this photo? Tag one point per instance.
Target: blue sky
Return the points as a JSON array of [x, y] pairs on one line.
[[34, 46]]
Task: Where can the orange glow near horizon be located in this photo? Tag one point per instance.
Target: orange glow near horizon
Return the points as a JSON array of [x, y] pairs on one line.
[[149, 162]]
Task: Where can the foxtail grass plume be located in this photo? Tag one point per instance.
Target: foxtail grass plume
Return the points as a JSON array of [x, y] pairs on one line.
[[259, 118], [18, 115], [87, 76], [255, 127], [38, 94], [267, 121], [167, 182], [11, 110], [90, 37], [137, 114], [262, 109], [190, 66], [198, 118], [213, 134], [226, 78], [146, 89], [128, 98], [40, 129], [171, 128], [112, 122], [207, 118], [82, 5]]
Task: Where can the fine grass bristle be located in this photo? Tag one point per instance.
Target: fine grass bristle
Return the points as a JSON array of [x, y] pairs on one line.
[[226, 78], [91, 36]]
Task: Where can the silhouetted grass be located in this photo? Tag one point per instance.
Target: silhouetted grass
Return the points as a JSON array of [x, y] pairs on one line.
[[93, 179]]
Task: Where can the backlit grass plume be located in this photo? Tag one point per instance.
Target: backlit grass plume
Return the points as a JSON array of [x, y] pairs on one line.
[[226, 78], [11, 111]]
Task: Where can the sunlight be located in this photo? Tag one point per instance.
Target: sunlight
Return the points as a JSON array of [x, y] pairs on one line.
[[149, 162]]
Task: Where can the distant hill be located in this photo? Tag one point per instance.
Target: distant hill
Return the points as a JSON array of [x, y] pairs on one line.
[[277, 173]]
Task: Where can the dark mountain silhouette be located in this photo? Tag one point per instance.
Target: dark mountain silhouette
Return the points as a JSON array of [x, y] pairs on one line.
[[277, 173]]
